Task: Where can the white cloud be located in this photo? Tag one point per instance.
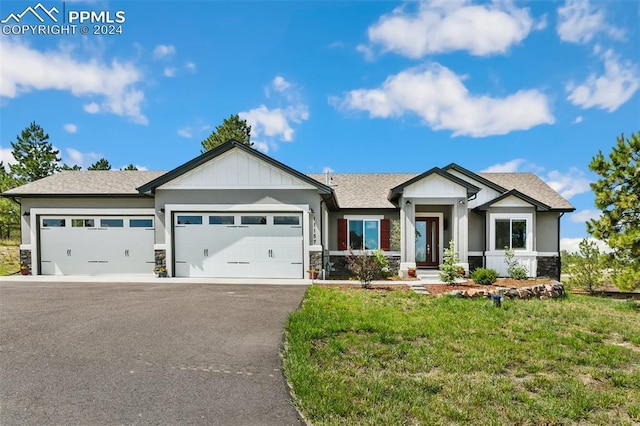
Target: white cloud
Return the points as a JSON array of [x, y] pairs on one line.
[[25, 69], [327, 169], [271, 124], [609, 90], [280, 84], [443, 26], [439, 97], [578, 120], [191, 67], [571, 244], [185, 132], [70, 128], [568, 184], [92, 108], [169, 72], [275, 122], [82, 159], [579, 22], [6, 156], [162, 51], [584, 215], [508, 167]]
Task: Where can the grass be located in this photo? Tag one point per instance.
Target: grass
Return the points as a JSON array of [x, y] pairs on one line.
[[9, 256], [361, 357]]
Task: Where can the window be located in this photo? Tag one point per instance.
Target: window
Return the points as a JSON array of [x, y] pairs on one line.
[[140, 223], [221, 220], [364, 234], [53, 223], [189, 220], [82, 223], [286, 220], [111, 223], [511, 233], [253, 220]]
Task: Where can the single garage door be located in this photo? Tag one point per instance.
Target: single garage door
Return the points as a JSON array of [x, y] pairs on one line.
[[96, 245], [243, 245]]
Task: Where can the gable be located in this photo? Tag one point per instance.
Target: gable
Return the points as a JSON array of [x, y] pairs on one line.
[[511, 201], [236, 169], [485, 194], [435, 185]]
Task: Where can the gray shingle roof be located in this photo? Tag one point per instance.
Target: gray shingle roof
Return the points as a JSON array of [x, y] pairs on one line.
[[353, 190], [364, 190], [87, 183], [370, 190], [531, 185]]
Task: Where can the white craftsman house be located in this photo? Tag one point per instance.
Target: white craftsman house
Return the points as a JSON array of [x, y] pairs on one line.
[[234, 212]]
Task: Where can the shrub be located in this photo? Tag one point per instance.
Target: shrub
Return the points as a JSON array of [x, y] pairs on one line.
[[450, 270], [484, 276], [365, 267], [514, 268], [383, 262]]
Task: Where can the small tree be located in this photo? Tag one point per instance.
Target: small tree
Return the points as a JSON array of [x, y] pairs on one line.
[[365, 267], [129, 167], [232, 128], [586, 267], [514, 268], [450, 269], [66, 168]]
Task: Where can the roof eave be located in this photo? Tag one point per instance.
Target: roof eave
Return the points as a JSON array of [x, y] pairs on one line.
[[394, 193], [474, 176]]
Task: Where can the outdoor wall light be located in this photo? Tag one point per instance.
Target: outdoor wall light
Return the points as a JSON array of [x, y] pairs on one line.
[[460, 201], [408, 203], [311, 211], [162, 210], [27, 213]]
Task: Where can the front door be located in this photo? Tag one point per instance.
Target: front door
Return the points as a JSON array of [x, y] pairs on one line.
[[427, 242]]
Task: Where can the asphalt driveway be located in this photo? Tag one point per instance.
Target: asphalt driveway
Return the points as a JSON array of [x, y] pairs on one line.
[[144, 354]]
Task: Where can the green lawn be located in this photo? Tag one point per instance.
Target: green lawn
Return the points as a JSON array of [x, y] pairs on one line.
[[9, 256], [360, 357]]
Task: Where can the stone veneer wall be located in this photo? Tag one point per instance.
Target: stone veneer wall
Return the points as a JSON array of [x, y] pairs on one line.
[[161, 258], [548, 266], [315, 260], [340, 265], [25, 259]]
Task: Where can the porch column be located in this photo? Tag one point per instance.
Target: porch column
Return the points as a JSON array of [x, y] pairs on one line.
[[403, 235], [410, 231]]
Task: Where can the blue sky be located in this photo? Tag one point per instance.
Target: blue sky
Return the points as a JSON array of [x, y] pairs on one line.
[[346, 86]]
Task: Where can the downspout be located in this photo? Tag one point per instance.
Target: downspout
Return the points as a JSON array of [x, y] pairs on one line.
[[559, 256]]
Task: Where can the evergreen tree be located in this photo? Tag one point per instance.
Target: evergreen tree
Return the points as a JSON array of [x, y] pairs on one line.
[[9, 209], [66, 167], [101, 164], [34, 154], [232, 128], [130, 167]]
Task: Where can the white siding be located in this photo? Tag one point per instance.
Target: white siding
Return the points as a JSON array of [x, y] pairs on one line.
[[236, 169], [434, 186]]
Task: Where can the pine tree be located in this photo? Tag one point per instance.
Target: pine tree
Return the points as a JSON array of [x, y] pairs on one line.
[[34, 154], [101, 164], [232, 128]]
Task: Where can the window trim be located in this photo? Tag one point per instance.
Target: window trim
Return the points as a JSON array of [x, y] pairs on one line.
[[370, 218], [527, 217]]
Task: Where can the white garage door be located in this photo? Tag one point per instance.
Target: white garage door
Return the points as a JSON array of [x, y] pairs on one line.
[[96, 245], [242, 245]]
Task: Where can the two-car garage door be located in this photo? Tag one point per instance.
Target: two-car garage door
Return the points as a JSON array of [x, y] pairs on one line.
[[96, 245], [238, 245]]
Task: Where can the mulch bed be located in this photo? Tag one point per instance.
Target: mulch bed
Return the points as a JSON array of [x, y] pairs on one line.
[[501, 282]]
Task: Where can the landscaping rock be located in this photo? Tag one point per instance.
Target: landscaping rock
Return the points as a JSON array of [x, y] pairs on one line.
[[541, 291]]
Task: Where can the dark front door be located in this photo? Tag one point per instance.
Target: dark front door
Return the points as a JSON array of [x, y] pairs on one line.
[[427, 242]]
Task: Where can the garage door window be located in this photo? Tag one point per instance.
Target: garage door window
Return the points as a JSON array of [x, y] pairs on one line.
[[82, 223], [253, 220], [286, 220], [53, 223], [221, 220], [140, 223], [189, 220], [111, 223]]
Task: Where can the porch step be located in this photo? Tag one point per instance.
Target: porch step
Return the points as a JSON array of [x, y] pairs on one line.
[[419, 289], [429, 276]]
